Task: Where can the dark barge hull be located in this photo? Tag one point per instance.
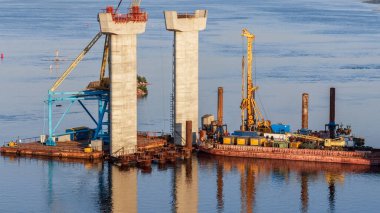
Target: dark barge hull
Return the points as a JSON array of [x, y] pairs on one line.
[[62, 150], [74, 149], [328, 156]]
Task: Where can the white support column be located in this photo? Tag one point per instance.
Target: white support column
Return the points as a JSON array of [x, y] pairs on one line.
[[186, 27], [123, 74]]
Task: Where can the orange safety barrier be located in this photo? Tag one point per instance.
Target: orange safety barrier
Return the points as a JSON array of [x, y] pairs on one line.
[[135, 14]]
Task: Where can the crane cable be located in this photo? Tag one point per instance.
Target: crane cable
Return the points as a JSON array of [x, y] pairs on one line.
[[254, 73], [253, 59], [118, 5], [243, 50], [257, 92]]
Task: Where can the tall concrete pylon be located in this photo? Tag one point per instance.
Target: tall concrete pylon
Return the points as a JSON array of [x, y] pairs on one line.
[[123, 30], [186, 27]]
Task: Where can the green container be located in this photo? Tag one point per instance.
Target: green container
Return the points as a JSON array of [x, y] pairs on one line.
[[281, 144]]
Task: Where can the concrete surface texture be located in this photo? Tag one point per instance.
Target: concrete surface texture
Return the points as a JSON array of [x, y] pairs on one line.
[[123, 74], [186, 27]]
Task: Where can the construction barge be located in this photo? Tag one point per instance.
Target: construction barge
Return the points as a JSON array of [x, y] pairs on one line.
[[68, 149], [259, 138], [371, 158], [151, 148], [147, 143]]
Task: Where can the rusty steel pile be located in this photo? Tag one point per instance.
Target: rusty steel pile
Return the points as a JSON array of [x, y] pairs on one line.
[[144, 157], [160, 151]]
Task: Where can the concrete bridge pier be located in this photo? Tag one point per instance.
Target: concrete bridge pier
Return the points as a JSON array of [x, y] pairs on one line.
[[123, 98], [186, 27]]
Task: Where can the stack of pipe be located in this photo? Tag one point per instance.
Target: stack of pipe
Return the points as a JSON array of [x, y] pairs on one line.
[[220, 106], [332, 125], [305, 111]]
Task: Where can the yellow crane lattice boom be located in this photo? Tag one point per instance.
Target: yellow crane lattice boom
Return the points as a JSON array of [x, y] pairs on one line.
[[75, 62], [255, 120]]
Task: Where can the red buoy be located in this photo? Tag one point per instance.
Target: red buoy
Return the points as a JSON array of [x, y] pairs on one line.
[[2, 56]]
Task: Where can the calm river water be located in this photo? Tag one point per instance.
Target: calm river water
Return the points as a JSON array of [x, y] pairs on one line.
[[301, 46]]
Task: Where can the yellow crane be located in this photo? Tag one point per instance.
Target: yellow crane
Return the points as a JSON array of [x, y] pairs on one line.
[[75, 62], [255, 120]]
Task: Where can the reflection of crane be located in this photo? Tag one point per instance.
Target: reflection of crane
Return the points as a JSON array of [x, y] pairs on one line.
[[255, 120], [248, 174], [331, 179]]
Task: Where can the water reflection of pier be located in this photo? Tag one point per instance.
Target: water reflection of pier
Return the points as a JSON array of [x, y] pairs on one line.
[[252, 170], [180, 185], [118, 190], [184, 191], [123, 187]]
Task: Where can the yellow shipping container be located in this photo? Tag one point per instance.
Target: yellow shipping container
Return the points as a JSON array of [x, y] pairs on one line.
[[295, 145], [257, 141], [228, 140], [241, 141], [254, 141], [88, 149]]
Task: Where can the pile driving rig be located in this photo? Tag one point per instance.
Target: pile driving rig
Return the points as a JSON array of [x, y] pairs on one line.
[[249, 109]]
